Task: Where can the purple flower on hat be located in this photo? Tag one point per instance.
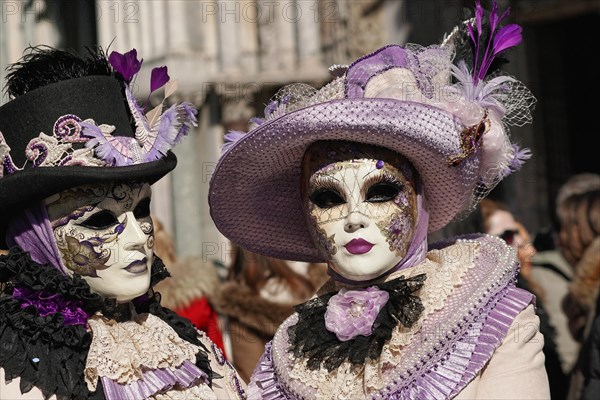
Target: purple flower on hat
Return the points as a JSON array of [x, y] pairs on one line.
[[126, 64], [353, 312], [158, 78]]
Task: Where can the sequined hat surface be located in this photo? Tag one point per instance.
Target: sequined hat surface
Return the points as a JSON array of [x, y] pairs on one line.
[[448, 116], [83, 126]]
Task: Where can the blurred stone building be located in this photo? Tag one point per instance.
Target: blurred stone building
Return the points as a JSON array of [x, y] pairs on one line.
[[231, 56]]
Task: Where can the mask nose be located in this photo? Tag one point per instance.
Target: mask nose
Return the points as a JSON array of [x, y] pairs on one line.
[[134, 236], [355, 221]]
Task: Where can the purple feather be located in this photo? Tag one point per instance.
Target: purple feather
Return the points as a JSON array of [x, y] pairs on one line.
[[159, 78], [257, 120], [104, 147], [494, 20], [471, 33], [478, 15], [174, 124], [519, 158], [499, 40], [271, 107], [231, 138], [508, 36], [126, 64]]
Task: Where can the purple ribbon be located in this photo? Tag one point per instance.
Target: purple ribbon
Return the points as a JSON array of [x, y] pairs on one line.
[[32, 232]]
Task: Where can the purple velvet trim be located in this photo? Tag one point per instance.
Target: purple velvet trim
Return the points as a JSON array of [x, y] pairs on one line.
[[366, 67], [417, 251], [47, 303], [393, 56], [155, 381], [31, 231], [451, 374]]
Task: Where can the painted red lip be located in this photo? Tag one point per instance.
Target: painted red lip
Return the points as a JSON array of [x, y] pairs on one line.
[[358, 246]]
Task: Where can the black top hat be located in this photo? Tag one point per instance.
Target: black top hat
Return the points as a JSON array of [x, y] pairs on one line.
[[80, 131]]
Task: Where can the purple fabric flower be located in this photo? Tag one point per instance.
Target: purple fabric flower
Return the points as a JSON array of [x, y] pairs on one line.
[[352, 312], [126, 64], [158, 78]]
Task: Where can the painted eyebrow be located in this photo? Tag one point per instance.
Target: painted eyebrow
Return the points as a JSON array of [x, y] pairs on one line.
[[326, 182], [379, 176]]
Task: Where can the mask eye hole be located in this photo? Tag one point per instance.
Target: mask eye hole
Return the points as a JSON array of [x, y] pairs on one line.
[[382, 192], [326, 198], [142, 210], [100, 220]]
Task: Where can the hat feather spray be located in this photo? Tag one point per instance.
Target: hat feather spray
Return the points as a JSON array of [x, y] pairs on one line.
[[156, 132], [480, 44]]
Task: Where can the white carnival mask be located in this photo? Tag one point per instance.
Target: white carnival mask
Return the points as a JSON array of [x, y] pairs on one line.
[[362, 215], [104, 233]]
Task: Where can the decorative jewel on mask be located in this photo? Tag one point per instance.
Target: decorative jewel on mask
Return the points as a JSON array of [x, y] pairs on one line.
[[383, 307], [471, 140], [379, 164]]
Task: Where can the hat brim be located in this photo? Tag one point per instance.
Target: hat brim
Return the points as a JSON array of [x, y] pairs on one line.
[[23, 188], [255, 195]]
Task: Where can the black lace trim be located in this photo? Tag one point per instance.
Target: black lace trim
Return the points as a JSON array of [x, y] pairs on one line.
[[45, 353], [310, 338]]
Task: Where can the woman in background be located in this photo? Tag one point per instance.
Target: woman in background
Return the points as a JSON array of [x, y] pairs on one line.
[[499, 221], [578, 209], [192, 284], [259, 294]]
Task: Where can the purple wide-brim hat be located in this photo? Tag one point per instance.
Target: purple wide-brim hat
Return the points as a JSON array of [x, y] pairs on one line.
[[255, 196]]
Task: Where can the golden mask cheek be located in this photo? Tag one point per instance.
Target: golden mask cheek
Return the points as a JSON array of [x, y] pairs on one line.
[[83, 254], [86, 251], [317, 218], [396, 220]]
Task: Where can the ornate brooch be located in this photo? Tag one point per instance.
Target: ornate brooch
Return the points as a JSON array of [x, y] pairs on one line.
[[471, 140]]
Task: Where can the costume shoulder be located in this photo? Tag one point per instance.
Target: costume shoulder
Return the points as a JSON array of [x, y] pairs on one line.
[[486, 259]]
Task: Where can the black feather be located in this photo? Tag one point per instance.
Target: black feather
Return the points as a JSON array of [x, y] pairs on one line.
[[43, 65]]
